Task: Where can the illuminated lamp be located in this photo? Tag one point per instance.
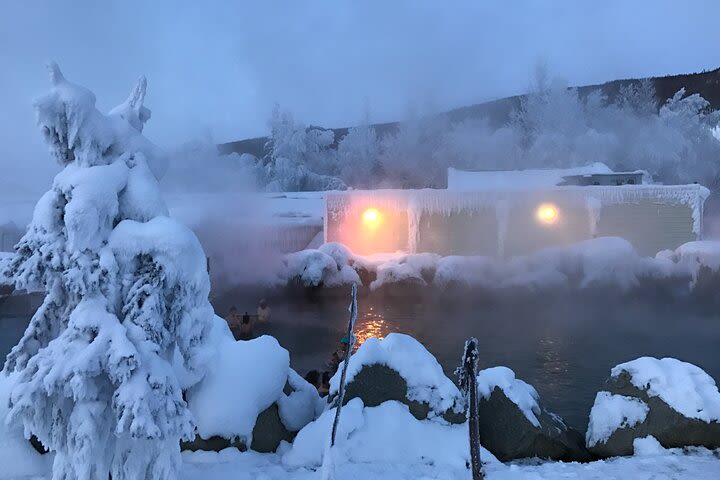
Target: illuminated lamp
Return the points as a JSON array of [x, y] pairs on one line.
[[547, 213], [371, 218]]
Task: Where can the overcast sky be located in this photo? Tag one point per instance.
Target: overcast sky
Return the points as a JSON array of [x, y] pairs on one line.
[[216, 68]]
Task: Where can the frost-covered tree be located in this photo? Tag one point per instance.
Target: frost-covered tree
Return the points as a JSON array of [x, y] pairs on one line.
[[300, 158], [358, 157], [408, 157], [123, 326]]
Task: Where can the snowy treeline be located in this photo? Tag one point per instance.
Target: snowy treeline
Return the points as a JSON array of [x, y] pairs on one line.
[[554, 126], [99, 372]]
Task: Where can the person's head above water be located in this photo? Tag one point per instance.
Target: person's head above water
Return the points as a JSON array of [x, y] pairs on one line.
[[263, 303], [233, 309]]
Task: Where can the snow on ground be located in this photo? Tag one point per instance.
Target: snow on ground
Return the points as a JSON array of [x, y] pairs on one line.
[[683, 386], [425, 379], [520, 393], [612, 412], [663, 465]]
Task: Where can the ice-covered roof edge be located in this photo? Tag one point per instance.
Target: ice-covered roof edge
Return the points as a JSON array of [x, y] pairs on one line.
[[446, 202]]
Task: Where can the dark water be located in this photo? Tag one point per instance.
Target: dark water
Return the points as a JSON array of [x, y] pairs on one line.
[[564, 345]]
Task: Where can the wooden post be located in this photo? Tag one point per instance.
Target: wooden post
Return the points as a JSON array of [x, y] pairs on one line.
[[467, 374], [346, 360]]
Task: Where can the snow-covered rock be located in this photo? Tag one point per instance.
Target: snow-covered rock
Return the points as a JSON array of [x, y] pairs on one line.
[[514, 425], [250, 396], [613, 412], [328, 266], [604, 262], [674, 401], [387, 433], [400, 368]]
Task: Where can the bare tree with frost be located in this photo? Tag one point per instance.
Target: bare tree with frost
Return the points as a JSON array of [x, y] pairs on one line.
[[121, 331]]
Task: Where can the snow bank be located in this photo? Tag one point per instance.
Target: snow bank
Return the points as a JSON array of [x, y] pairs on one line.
[[425, 379], [683, 386], [17, 457], [520, 393], [612, 412], [387, 433]]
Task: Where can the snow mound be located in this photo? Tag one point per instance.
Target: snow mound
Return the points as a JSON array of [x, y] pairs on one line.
[[245, 378], [369, 435], [327, 266], [426, 381], [17, 457], [648, 447], [683, 386], [302, 406], [612, 412], [407, 269], [520, 393]]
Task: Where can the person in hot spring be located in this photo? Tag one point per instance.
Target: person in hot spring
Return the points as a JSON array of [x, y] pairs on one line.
[[263, 312]]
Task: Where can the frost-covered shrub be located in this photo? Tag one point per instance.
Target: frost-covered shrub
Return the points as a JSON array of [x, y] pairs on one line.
[[122, 330]]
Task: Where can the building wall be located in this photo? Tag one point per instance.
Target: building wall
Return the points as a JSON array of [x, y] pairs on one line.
[[508, 226], [649, 226]]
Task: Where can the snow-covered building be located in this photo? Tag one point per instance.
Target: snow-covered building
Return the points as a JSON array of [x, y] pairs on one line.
[[517, 212]]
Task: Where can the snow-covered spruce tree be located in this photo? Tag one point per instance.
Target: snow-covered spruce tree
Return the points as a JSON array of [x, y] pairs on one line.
[[122, 330], [299, 158]]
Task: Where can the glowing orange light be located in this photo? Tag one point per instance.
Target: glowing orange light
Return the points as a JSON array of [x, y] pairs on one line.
[[371, 217], [547, 213]]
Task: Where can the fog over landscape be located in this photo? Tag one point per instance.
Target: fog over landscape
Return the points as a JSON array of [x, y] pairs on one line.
[[215, 71], [486, 233]]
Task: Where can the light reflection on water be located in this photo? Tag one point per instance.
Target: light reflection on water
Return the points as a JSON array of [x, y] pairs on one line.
[[371, 324]]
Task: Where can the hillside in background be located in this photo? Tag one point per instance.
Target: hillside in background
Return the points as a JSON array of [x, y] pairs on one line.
[[707, 84]]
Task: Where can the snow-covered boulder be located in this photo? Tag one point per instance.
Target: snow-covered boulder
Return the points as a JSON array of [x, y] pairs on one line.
[[387, 434], [250, 397], [675, 402], [406, 275], [399, 368], [328, 266], [513, 424]]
